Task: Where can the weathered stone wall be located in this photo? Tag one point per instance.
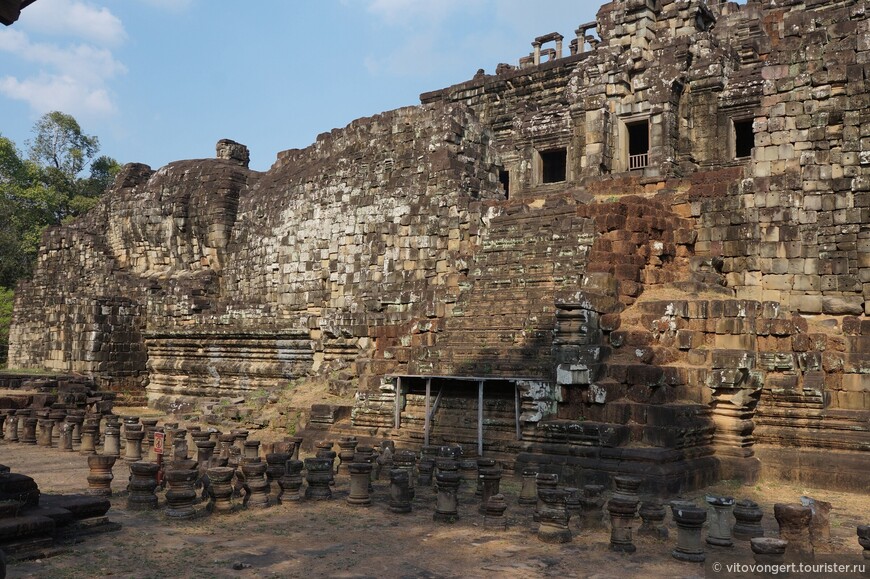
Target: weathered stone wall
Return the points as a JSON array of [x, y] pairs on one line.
[[237, 278], [670, 224]]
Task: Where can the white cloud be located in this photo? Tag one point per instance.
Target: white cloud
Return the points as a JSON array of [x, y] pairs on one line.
[[170, 5], [72, 78], [73, 18], [59, 93]]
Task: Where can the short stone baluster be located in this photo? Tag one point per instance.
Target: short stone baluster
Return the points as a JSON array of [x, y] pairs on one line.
[[360, 477], [453, 451], [180, 492], [11, 426], [66, 441], [241, 435], [29, 435], [490, 482], [95, 419], [493, 513], [297, 440], [768, 551], [21, 415], [204, 456], [291, 482], [58, 414], [543, 481], [148, 426], [256, 486], [180, 450], [747, 516], [794, 526], [592, 505], [346, 450], [43, 433], [447, 487], [468, 472], [112, 441], [225, 441], [367, 454], [653, 514], [251, 451], [575, 510], [324, 450], [276, 465], [553, 516], [143, 482], [77, 419], [2, 424], [820, 524], [400, 493], [220, 489], [407, 461], [318, 474], [482, 463], [622, 508], [425, 468], [199, 435], [133, 436], [100, 475], [689, 518], [384, 462], [719, 529], [528, 491], [429, 451], [205, 451], [864, 540], [89, 434], [444, 464]]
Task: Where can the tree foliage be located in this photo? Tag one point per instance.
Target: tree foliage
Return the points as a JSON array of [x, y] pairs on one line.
[[5, 320], [46, 188], [60, 144]]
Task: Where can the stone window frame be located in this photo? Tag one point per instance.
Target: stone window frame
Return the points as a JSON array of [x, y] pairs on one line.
[[538, 163], [621, 155]]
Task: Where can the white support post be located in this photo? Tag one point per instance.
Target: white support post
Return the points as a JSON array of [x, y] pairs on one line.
[[398, 416], [426, 419], [480, 419]]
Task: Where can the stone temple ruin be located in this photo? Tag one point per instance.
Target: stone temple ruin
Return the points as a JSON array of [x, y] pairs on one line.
[[648, 255]]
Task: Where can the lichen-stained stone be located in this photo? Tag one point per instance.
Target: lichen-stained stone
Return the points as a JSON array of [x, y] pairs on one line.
[[526, 225]]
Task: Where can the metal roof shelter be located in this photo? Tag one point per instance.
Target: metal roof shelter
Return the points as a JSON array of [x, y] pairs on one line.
[[431, 408]]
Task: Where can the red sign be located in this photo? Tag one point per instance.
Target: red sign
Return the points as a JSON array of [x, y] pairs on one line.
[[158, 442]]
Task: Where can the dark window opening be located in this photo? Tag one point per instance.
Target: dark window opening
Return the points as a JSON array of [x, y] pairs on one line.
[[504, 178], [554, 165], [638, 145], [744, 139]]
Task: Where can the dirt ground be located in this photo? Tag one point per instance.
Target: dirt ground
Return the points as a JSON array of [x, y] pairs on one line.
[[334, 539]]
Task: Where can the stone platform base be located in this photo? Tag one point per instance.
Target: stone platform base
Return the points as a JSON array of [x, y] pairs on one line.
[[84, 527], [665, 472], [830, 469]]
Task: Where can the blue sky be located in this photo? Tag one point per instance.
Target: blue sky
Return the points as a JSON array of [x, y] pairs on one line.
[[162, 80]]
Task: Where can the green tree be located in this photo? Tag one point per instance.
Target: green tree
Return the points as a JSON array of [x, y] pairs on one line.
[[59, 143], [45, 189], [5, 319]]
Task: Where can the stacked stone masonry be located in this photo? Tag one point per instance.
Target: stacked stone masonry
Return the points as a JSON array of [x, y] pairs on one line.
[[659, 240]]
